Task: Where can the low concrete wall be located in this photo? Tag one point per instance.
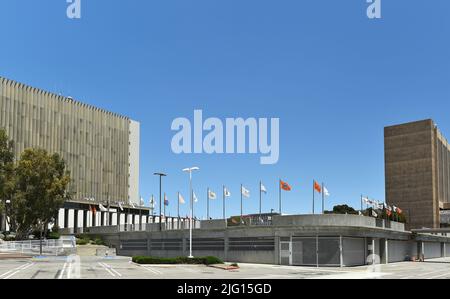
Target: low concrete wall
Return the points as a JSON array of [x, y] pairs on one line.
[[213, 224], [337, 221]]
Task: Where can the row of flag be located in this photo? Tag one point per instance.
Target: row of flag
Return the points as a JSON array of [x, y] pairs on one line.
[[381, 205], [246, 192]]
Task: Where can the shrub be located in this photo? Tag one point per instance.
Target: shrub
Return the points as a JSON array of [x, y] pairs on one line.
[[82, 241], [99, 241], [53, 236], [147, 260]]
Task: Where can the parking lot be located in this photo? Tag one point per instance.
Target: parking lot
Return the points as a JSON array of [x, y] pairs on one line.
[[123, 268]]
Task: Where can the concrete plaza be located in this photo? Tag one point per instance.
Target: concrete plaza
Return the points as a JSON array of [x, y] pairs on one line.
[[123, 268]]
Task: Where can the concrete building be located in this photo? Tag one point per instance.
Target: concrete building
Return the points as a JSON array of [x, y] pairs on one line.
[[417, 166], [101, 148], [301, 240]]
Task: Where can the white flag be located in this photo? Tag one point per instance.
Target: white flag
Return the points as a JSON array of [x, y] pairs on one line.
[[142, 202], [102, 208], [181, 199], [120, 206], [245, 192], [194, 197], [263, 188], [133, 206], [325, 192], [211, 195], [226, 192], [374, 214]]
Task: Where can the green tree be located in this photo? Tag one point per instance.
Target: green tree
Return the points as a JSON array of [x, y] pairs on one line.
[[343, 209], [40, 189], [6, 167]]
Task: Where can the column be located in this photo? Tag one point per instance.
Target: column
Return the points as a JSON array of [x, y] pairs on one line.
[[66, 218], [85, 213], [102, 219], [75, 221]]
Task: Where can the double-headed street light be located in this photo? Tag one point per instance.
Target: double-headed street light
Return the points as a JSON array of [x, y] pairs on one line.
[[190, 170], [160, 174]]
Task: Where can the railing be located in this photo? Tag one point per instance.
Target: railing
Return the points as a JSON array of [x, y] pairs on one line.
[[62, 246]]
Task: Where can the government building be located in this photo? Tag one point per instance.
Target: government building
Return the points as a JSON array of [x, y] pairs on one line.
[[417, 166], [101, 150]]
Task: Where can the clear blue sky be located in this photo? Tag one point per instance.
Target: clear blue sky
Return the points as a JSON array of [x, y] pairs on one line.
[[332, 76]]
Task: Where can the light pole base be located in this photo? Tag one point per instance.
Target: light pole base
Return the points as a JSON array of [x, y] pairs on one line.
[[190, 257]]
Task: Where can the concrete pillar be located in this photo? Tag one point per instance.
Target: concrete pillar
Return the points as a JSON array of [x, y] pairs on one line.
[[85, 213], [75, 221], [341, 251], [94, 219], [386, 251], [66, 218]]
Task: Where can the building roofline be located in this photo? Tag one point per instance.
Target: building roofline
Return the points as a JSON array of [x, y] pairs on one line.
[[67, 99]]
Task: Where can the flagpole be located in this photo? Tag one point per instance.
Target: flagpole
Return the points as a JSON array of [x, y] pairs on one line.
[[323, 198], [223, 198], [313, 199], [279, 186], [178, 211], [260, 198], [207, 205], [165, 198], [241, 204]]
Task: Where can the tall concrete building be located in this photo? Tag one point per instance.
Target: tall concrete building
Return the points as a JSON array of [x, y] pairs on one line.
[[101, 148], [417, 166]]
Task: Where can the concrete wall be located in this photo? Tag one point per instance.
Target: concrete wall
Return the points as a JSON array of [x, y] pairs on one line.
[[432, 250], [333, 220], [398, 251]]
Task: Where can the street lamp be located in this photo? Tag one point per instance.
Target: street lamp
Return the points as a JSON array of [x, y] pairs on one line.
[[160, 174], [190, 170]]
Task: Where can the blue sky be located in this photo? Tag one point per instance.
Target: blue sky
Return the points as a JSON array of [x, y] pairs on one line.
[[332, 76]]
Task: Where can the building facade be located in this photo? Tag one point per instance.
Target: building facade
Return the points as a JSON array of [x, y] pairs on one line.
[[101, 148], [417, 167]]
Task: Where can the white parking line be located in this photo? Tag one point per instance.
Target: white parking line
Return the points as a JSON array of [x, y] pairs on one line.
[[13, 272], [110, 270], [154, 271], [61, 275]]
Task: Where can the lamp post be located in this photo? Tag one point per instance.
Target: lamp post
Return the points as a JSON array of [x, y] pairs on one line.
[[190, 170], [160, 174]]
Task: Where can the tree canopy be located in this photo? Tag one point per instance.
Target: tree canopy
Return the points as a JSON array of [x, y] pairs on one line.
[[6, 165], [40, 189]]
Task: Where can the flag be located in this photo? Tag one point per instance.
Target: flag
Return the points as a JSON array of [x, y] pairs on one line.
[[374, 214], [317, 187], [399, 211], [389, 213], [142, 202], [285, 186], [166, 200], [325, 192], [211, 195], [92, 209], [120, 206], [366, 200], [245, 192], [133, 206], [181, 199], [226, 192], [194, 197], [102, 208], [152, 202], [263, 188]]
